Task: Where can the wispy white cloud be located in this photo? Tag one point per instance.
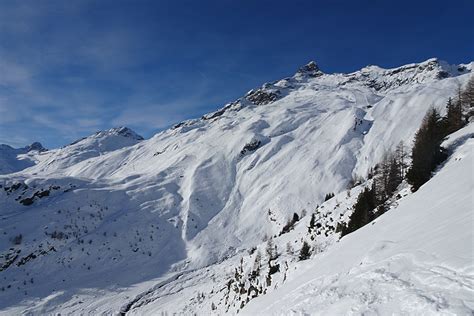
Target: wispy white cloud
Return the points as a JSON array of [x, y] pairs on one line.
[[89, 123], [13, 74], [64, 75]]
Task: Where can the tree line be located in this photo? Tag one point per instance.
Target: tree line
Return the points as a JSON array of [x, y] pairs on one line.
[[426, 155]]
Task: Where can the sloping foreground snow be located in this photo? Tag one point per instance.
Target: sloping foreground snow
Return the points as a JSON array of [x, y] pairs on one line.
[[416, 259]]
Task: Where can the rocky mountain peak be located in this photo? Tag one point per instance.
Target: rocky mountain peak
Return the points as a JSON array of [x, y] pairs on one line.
[[311, 69], [35, 146], [125, 132]]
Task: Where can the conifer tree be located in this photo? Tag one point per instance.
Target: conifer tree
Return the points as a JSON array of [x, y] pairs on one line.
[[389, 174], [394, 176], [271, 250], [401, 156], [454, 118], [426, 153], [257, 265], [363, 211], [305, 251], [467, 98], [289, 248], [328, 196], [312, 223]]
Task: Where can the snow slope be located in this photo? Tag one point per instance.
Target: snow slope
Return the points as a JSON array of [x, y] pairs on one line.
[[203, 192], [415, 259], [215, 289], [397, 265]]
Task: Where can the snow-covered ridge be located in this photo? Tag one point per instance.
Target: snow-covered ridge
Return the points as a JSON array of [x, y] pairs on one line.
[[116, 131], [374, 77], [16, 159], [428, 71], [100, 143]]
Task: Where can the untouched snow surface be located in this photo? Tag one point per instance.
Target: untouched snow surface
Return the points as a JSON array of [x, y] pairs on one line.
[[113, 222]]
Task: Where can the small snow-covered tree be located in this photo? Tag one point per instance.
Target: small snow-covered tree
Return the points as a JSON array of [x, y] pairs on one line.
[[17, 239], [270, 249], [312, 223], [467, 98], [257, 264], [401, 155]]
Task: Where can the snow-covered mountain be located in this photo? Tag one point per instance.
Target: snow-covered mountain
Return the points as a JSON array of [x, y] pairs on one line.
[[82, 149], [113, 222], [16, 159]]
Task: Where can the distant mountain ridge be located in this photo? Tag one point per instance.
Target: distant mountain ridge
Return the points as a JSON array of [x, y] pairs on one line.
[[96, 144], [16, 159]]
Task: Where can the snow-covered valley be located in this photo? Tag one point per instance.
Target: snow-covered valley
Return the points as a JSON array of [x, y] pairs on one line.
[[115, 223]]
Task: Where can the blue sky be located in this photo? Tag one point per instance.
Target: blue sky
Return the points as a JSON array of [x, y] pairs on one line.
[[70, 68]]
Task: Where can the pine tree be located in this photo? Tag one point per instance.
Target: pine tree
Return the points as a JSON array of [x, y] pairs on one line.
[[454, 118], [388, 174], [290, 224], [363, 211], [305, 251], [401, 156], [312, 223], [467, 98], [257, 265], [426, 153], [295, 218], [270, 250], [328, 196], [394, 176]]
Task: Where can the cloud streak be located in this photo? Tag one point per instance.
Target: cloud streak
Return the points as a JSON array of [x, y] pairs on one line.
[[69, 68]]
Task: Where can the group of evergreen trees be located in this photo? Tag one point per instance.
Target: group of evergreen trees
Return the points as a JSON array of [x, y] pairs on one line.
[[426, 155], [387, 176], [363, 212], [328, 196], [427, 152], [389, 173]]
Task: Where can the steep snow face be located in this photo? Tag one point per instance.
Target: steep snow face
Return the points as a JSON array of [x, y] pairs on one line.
[[415, 259], [16, 159], [207, 188]]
